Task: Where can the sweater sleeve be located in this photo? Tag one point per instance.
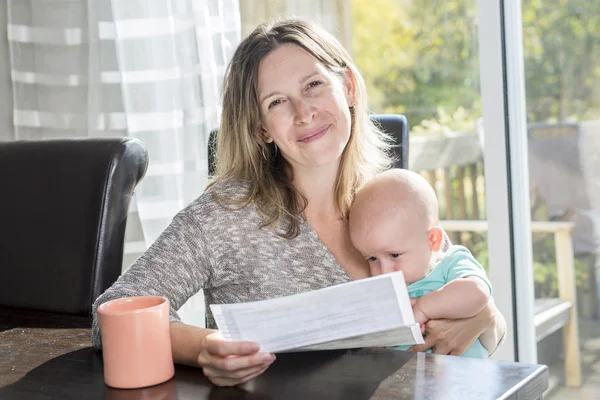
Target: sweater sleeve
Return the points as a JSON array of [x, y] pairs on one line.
[[176, 266]]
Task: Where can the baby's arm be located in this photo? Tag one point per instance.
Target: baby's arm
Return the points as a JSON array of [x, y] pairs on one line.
[[460, 298]]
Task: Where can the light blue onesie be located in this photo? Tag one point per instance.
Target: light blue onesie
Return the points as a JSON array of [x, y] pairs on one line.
[[458, 262]]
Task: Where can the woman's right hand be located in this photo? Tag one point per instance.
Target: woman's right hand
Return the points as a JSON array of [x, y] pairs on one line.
[[228, 363]]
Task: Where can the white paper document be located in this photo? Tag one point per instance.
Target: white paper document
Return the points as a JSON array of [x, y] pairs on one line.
[[363, 313]]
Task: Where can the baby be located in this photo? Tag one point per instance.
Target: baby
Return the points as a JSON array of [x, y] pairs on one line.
[[394, 223]]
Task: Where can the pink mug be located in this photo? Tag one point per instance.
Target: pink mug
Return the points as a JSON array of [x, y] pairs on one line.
[[136, 341]]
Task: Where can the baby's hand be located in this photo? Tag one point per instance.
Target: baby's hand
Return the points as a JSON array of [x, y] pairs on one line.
[[420, 316]]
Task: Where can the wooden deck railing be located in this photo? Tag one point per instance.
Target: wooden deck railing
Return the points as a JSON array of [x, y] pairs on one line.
[[562, 313]]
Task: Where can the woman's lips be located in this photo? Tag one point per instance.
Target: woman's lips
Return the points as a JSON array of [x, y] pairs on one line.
[[316, 135]]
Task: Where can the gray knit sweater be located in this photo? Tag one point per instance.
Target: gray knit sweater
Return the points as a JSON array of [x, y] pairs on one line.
[[225, 253]]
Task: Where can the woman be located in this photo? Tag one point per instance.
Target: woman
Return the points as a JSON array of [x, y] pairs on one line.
[[294, 144]]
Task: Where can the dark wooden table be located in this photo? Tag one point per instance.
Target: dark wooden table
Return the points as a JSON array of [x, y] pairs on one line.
[[49, 357]]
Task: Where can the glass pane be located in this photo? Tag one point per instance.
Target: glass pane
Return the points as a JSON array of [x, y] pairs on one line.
[[421, 59], [562, 72]]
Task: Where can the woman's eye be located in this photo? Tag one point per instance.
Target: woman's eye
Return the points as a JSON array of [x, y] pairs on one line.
[[394, 255], [372, 259], [314, 84], [274, 103]]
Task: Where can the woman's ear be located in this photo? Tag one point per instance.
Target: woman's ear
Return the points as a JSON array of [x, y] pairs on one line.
[[263, 134], [436, 238], [350, 87]]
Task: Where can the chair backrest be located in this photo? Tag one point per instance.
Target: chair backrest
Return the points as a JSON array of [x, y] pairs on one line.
[[63, 209], [397, 126], [394, 124]]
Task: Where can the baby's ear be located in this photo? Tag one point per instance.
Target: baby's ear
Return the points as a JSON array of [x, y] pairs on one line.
[[436, 238]]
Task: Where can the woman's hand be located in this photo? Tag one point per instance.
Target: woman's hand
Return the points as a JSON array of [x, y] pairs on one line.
[[420, 317], [228, 363], [453, 336]]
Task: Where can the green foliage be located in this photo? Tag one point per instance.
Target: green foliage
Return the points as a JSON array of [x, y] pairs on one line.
[[421, 57], [461, 120], [561, 42], [544, 264], [417, 62], [481, 254]]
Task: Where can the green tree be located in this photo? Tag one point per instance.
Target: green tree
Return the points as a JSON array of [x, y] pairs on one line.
[[384, 51], [421, 57], [561, 40], [418, 56]]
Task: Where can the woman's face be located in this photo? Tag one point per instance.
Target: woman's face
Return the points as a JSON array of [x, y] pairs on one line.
[[304, 107]]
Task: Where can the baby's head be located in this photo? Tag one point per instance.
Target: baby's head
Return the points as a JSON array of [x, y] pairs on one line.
[[394, 222]]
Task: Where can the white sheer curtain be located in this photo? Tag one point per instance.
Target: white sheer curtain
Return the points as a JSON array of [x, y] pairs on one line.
[[150, 69], [333, 15], [171, 58]]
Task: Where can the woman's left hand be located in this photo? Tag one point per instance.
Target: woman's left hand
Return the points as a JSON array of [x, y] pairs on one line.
[[452, 336]]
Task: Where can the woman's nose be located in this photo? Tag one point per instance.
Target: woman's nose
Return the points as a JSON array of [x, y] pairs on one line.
[[304, 111]]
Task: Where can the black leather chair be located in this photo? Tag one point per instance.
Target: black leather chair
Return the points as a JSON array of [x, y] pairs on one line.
[[397, 126], [394, 124], [63, 209]]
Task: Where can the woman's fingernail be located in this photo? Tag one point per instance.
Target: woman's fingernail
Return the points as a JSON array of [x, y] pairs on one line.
[[269, 358]]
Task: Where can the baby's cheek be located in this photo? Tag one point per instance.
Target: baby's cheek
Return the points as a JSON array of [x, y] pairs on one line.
[[416, 271], [411, 275]]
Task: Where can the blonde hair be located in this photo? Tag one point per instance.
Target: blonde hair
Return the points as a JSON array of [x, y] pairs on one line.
[[241, 153]]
